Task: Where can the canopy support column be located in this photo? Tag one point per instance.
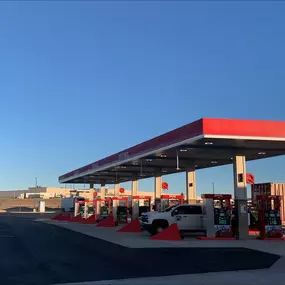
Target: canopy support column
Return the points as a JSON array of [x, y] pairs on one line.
[[135, 203], [116, 203], [240, 192], [157, 192], [191, 186]]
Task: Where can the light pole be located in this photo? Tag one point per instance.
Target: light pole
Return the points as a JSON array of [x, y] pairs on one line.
[[36, 182], [213, 183]]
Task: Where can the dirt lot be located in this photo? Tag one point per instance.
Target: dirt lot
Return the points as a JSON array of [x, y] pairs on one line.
[[13, 204]]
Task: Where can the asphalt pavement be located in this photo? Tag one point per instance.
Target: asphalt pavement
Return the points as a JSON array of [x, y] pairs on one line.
[[37, 253]]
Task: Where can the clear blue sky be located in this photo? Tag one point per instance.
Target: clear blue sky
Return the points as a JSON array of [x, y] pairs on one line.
[[82, 80]]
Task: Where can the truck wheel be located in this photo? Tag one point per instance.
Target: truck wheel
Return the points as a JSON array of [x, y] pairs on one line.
[[159, 226]]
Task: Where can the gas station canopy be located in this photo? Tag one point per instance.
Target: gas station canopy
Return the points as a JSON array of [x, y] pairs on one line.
[[201, 144]]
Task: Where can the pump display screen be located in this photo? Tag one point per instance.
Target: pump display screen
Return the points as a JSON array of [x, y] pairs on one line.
[[104, 210], [122, 213], [272, 218], [272, 222], [81, 209], [223, 222], [90, 210], [222, 216]]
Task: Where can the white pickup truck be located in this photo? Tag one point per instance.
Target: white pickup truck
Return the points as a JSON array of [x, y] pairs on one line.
[[67, 204], [188, 217]]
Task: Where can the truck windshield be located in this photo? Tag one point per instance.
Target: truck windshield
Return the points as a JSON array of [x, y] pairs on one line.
[[169, 208], [80, 199]]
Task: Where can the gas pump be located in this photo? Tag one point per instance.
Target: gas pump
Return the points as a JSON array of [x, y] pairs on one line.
[[89, 208], [171, 200], [79, 204], [122, 211], [137, 208], [218, 212], [270, 225], [105, 206]]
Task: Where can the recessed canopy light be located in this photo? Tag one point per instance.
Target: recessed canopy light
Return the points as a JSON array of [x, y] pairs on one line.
[[164, 171], [149, 160], [121, 167], [214, 162], [231, 158], [208, 143], [183, 150], [135, 163], [163, 155], [261, 153], [196, 165]]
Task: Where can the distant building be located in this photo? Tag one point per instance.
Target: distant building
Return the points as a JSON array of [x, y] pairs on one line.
[[57, 192], [10, 194], [50, 192]]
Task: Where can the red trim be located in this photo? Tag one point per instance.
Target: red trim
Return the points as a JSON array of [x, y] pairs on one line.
[[120, 199], [254, 232], [268, 197], [179, 197], [142, 197], [217, 196], [206, 126], [101, 200], [230, 127]]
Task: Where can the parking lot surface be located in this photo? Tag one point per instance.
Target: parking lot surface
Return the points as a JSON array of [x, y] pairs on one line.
[[37, 253]]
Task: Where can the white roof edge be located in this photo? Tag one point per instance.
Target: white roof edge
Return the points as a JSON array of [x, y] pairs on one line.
[[209, 136]]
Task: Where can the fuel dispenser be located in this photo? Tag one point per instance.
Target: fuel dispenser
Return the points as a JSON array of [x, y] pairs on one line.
[[89, 208], [137, 208], [170, 200], [105, 207], [270, 225], [218, 211], [100, 207], [79, 205], [122, 211]]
